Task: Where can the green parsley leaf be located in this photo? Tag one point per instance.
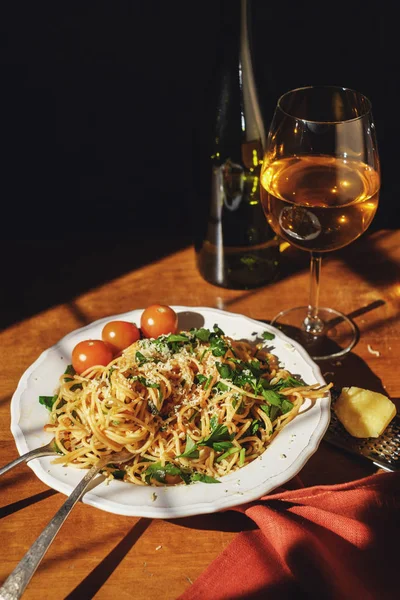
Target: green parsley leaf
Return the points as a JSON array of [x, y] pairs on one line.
[[218, 346], [234, 450], [288, 383], [272, 397], [177, 337], [203, 478], [48, 401], [158, 472], [193, 416], [267, 335], [224, 370], [222, 446], [203, 354], [191, 450], [254, 427], [148, 383], [202, 334], [140, 358], [221, 386], [213, 422], [286, 406], [218, 330], [219, 434], [207, 384], [271, 411]]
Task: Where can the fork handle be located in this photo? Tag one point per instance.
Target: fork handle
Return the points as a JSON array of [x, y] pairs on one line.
[[15, 584], [45, 451]]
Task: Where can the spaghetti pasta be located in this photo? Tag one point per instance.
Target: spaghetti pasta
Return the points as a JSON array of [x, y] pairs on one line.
[[191, 406]]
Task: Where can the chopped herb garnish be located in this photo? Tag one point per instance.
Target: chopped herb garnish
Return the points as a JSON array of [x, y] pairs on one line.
[[221, 446], [267, 335], [273, 397], [234, 450], [195, 412], [254, 427], [213, 422], [177, 337], [207, 384], [289, 382], [220, 433], [203, 354], [201, 334], [272, 411], [219, 439], [159, 473], [191, 450], [218, 346], [224, 370], [218, 330], [204, 478], [286, 406], [222, 387], [140, 358], [200, 378], [48, 401]]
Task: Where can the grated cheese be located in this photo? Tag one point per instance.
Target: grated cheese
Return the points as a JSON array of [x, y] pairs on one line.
[[372, 351]]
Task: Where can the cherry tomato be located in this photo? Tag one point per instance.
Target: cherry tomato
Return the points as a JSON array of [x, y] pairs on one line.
[[89, 353], [158, 319], [119, 335]]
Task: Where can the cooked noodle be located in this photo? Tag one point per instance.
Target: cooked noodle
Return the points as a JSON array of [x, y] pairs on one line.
[[191, 406]]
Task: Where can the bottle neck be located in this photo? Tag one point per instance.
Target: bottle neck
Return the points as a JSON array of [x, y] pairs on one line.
[[239, 123], [253, 122]]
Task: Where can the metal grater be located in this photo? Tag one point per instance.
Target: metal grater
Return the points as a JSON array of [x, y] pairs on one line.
[[384, 451]]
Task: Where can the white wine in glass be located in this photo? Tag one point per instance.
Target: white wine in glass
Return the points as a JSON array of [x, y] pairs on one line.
[[320, 182]]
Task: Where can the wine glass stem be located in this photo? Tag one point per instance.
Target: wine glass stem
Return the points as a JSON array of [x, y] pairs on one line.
[[312, 323]]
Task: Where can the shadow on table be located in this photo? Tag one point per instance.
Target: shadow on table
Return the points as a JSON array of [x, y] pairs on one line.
[[228, 520], [24, 502], [42, 274], [99, 575]]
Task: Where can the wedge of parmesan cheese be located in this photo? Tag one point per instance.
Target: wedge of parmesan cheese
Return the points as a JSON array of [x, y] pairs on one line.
[[364, 413]]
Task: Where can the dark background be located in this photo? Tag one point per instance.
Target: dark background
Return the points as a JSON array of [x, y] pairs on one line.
[[98, 105]]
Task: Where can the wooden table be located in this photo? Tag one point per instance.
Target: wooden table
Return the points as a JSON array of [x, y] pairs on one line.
[[102, 555]]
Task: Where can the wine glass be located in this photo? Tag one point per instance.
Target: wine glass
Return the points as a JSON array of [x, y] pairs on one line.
[[320, 183]]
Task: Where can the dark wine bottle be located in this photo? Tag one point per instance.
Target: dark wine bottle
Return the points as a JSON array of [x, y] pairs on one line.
[[235, 247]]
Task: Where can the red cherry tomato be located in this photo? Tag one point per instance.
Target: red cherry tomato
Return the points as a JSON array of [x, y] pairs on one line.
[[90, 353], [119, 335], [158, 319]]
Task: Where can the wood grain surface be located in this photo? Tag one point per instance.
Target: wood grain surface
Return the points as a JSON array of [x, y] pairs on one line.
[[105, 556]]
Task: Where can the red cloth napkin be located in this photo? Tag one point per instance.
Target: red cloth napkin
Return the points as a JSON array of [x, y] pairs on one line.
[[326, 542]]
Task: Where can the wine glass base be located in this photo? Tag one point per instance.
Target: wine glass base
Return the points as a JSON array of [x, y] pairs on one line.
[[338, 336]]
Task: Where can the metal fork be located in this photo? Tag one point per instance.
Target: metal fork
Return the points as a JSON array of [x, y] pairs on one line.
[[16, 582], [47, 450]]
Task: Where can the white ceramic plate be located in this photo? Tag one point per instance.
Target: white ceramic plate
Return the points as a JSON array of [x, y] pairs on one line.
[[283, 459]]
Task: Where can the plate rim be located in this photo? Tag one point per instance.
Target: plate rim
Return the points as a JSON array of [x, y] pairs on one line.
[[202, 507]]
